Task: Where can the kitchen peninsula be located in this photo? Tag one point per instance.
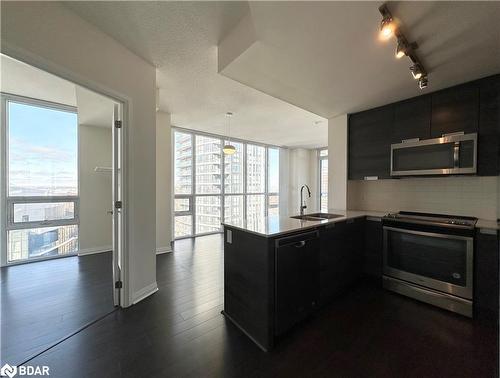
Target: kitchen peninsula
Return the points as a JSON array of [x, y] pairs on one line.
[[278, 271]]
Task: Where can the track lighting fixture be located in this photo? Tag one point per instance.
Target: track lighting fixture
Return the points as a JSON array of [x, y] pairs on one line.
[[388, 28]]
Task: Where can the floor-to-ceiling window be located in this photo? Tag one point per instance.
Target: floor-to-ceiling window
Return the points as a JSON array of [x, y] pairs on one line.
[[40, 178], [210, 187], [323, 179]]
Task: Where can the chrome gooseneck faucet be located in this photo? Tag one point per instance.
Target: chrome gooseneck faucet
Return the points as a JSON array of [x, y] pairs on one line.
[[302, 201]]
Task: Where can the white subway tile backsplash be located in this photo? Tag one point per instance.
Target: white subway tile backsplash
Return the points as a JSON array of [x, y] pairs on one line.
[[470, 196]]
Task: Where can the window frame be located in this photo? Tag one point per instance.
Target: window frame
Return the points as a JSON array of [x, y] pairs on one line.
[[320, 160], [7, 222], [192, 196]]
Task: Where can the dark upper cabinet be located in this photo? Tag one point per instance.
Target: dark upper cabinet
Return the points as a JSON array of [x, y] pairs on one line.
[[471, 108], [412, 119], [455, 109], [370, 142], [489, 127]]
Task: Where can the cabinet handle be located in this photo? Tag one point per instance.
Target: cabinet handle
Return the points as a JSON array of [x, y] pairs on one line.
[[370, 178], [456, 155], [300, 244]]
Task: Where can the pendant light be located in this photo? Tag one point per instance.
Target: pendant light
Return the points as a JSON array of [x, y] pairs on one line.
[[228, 148]]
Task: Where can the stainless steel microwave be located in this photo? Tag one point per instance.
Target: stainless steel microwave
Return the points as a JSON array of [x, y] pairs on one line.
[[452, 154]]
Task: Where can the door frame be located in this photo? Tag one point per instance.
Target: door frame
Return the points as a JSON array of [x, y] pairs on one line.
[[122, 294]]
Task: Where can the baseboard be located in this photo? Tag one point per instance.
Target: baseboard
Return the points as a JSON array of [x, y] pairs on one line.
[[144, 293], [161, 250], [91, 251]]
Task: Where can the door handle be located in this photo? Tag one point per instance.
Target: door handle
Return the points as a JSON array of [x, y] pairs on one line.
[[300, 244]]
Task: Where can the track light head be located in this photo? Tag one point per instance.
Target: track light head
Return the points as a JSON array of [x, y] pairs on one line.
[[416, 71], [423, 82], [401, 49], [387, 27]]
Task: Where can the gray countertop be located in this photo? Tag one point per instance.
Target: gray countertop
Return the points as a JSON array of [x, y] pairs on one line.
[[275, 225]]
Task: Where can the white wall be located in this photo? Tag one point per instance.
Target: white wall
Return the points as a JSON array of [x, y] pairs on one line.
[[467, 195], [163, 183], [50, 36], [301, 166], [337, 163], [95, 230]]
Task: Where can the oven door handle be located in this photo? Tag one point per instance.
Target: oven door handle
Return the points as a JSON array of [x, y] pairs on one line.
[[430, 234]]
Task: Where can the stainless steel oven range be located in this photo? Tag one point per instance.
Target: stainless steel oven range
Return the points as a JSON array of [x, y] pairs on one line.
[[429, 257]]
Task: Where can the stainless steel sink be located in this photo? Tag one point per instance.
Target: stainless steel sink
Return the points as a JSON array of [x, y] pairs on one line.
[[317, 216]]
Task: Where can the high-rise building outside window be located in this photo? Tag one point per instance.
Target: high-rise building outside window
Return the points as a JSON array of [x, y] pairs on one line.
[[41, 185], [210, 187], [323, 179]]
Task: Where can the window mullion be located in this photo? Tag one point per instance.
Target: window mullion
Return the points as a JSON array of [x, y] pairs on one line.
[[193, 180]]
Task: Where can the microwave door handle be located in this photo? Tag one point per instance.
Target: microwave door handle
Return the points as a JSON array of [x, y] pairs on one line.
[[456, 155]]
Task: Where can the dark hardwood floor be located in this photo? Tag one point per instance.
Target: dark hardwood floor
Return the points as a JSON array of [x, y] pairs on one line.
[[45, 301], [179, 332]]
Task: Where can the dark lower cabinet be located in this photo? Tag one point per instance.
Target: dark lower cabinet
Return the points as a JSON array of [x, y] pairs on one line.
[[486, 276], [373, 261], [297, 267], [341, 257]]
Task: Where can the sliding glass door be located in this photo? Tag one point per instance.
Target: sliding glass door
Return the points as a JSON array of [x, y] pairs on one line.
[[40, 178], [210, 187]]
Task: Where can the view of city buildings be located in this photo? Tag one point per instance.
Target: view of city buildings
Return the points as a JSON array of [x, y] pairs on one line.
[[210, 186], [323, 180], [42, 165]]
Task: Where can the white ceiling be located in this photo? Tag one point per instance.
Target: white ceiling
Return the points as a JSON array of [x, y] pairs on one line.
[[24, 80], [324, 57], [181, 39]]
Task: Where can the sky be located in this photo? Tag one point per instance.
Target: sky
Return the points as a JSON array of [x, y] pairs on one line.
[[43, 150]]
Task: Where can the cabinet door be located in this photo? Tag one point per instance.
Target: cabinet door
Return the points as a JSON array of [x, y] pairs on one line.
[[354, 250], [332, 262], [373, 264], [340, 257], [486, 276], [455, 109], [412, 119], [370, 142], [296, 282], [489, 127]]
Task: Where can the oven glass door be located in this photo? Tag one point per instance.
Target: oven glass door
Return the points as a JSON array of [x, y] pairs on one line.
[[438, 261]]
